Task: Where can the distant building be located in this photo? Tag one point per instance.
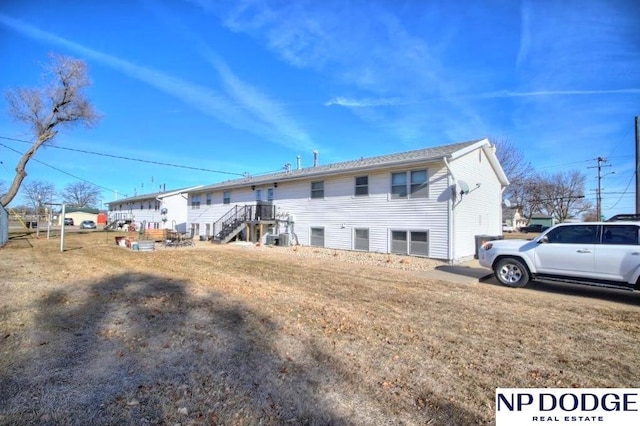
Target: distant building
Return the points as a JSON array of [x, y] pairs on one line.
[[160, 210], [78, 214]]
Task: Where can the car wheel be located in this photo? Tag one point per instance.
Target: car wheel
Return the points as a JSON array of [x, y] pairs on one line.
[[511, 272]]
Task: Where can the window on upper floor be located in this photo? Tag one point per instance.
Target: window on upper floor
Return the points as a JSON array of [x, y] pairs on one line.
[[410, 184], [362, 185], [317, 189], [195, 201], [226, 197], [209, 199]]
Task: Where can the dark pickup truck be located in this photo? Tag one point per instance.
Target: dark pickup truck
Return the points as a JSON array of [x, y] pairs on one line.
[[536, 227]]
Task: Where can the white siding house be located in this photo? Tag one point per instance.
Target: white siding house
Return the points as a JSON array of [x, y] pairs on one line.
[[161, 210], [430, 202]]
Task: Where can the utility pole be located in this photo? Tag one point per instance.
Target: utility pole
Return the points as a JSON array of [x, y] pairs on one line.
[[600, 161], [637, 165]]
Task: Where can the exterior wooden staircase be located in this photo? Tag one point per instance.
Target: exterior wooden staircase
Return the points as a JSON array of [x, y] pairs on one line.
[[231, 224]]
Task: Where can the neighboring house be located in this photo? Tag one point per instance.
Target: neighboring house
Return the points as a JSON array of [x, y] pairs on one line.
[[542, 220], [78, 214], [160, 210], [430, 202], [512, 217]]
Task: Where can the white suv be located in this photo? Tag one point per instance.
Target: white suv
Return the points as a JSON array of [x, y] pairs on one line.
[[604, 254]]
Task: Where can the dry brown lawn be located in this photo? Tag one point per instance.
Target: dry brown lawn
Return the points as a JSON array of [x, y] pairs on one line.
[[103, 335]]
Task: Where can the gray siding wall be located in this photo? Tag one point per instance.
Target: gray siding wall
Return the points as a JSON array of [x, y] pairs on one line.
[[340, 212]]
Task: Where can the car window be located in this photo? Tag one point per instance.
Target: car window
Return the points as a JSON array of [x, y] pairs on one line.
[[576, 234], [620, 234]]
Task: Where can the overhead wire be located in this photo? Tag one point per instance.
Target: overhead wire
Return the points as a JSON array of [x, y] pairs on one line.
[[60, 170], [625, 190], [201, 169]]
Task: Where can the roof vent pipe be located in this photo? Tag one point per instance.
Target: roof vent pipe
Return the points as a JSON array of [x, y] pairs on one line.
[[298, 162], [315, 158]]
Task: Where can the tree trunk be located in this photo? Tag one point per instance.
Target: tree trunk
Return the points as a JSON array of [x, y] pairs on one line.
[[22, 166]]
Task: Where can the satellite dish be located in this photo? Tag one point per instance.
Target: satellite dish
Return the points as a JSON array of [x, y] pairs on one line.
[[506, 203], [464, 188]]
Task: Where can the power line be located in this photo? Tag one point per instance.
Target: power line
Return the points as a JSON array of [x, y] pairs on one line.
[[128, 158], [581, 162], [625, 191], [59, 170]]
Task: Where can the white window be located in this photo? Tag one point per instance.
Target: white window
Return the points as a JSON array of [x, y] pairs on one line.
[[209, 199], [195, 201], [361, 239], [269, 194], [258, 194], [317, 237], [411, 184], [317, 189], [410, 242], [226, 197], [362, 185]]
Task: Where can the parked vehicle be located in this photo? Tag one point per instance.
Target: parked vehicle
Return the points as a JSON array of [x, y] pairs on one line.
[[630, 216], [68, 221], [506, 227], [603, 254], [536, 227], [87, 224]]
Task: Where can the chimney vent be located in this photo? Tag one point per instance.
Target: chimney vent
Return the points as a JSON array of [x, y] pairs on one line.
[[315, 158]]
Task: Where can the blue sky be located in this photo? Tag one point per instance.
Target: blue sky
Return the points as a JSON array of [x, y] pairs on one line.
[[245, 86]]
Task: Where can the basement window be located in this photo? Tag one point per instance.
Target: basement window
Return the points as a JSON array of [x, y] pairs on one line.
[[361, 239], [317, 237]]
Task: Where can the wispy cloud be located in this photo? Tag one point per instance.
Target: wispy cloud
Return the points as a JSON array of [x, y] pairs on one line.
[[365, 48], [364, 103], [511, 94], [246, 109], [260, 106]]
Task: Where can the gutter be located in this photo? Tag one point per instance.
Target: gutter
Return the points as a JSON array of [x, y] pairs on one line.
[[451, 204]]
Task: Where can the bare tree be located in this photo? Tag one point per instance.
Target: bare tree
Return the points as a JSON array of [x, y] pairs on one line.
[[37, 194], [81, 194], [60, 103], [518, 171], [562, 195]]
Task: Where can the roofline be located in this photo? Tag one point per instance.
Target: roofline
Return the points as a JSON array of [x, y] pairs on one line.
[[154, 195], [327, 171]]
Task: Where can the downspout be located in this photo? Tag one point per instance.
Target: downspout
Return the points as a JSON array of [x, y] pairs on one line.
[[451, 180]]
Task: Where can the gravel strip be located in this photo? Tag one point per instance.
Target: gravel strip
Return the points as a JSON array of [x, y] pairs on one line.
[[409, 263]]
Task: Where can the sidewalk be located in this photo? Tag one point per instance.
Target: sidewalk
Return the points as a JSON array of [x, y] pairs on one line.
[[469, 272]]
